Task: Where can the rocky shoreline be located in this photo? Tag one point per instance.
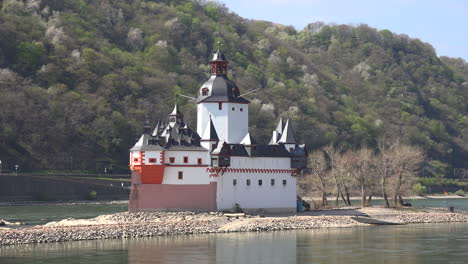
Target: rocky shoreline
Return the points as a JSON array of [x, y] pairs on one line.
[[126, 225]]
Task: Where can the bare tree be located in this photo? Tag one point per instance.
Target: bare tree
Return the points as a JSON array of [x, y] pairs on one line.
[[360, 165], [318, 178], [334, 157], [345, 180], [406, 160], [383, 165]]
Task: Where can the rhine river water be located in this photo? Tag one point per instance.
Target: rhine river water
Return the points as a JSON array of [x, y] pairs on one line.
[[430, 243], [41, 214]]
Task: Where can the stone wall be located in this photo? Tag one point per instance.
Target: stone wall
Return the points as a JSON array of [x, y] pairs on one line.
[[44, 188]]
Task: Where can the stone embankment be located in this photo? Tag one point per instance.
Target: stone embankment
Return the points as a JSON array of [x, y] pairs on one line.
[[125, 225]]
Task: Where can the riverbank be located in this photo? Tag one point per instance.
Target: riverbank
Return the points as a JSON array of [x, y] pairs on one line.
[[408, 198], [62, 202], [126, 225]]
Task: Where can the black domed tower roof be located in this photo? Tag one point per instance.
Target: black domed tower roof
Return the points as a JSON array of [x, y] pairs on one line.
[[219, 88]]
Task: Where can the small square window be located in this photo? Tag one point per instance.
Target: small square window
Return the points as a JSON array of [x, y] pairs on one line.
[[260, 182], [248, 182], [181, 175], [242, 109], [234, 182], [284, 182], [199, 161], [233, 109], [171, 159], [152, 160], [220, 106], [185, 159], [272, 182], [135, 160]]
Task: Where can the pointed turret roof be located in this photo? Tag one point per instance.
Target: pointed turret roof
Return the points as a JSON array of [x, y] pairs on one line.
[[176, 111], [146, 127], [288, 136], [219, 56], [280, 126], [210, 132], [248, 140], [156, 129]]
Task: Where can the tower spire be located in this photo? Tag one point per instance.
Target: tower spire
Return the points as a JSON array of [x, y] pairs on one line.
[[146, 126], [219, 62]]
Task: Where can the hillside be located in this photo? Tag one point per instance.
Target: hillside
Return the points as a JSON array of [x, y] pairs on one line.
[[77, 78]]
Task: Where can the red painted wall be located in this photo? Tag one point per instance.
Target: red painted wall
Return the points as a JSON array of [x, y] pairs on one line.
[[151, 174], [152, 197]]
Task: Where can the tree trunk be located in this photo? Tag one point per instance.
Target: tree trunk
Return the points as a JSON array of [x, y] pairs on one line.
[[346, 193], [396, 201], [369, 200], [400, 200], [386, 203], [324, 199], [338, 190], [363, 195], [384, 192]]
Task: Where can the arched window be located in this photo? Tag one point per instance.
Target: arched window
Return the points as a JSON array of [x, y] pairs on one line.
[[205, 91]]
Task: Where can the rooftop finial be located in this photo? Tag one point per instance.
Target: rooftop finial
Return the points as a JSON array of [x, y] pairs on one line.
[[219, 45], [146, 126]]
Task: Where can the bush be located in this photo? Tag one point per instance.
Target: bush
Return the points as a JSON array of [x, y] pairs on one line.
[[460, 193], [92, 195], [420, 189]]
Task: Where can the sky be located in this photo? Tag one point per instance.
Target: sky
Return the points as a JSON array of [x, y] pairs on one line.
[[442, 23]]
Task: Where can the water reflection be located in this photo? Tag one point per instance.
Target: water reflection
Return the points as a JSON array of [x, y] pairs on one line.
[[273, 247], [444, 243]]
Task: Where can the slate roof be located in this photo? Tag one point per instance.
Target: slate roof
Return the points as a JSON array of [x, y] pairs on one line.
[[176, 135], [239, 150], [219, 56], [176, 111], [220, 89], [289, 135], [248, 140]]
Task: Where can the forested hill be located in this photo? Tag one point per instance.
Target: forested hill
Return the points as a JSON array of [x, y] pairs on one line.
[[77, 78]]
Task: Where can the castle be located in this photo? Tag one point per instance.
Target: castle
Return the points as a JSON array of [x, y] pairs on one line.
[[219, 166]]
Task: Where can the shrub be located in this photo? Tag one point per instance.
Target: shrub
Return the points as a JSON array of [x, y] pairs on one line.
[[92, 195], [460, 193], [419, 189]]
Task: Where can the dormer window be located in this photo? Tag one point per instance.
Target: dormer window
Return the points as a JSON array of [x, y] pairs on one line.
[[235, 91], [204, 91]]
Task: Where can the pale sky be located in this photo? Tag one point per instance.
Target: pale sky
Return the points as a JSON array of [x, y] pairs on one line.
[[442, 23]]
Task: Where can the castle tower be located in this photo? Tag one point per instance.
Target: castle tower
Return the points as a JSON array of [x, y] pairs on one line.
[[220, 98]]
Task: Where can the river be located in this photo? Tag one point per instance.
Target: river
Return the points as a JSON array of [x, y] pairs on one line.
[[41, 214], [430, 243]]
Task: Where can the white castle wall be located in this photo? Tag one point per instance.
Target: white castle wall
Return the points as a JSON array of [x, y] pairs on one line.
[[152, 155], [193, 173], [144, 156], [279, 197], [238, 125], [193, 157], [230, 123]]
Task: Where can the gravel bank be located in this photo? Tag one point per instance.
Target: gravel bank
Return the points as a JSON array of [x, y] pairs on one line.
[[125, 225]]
